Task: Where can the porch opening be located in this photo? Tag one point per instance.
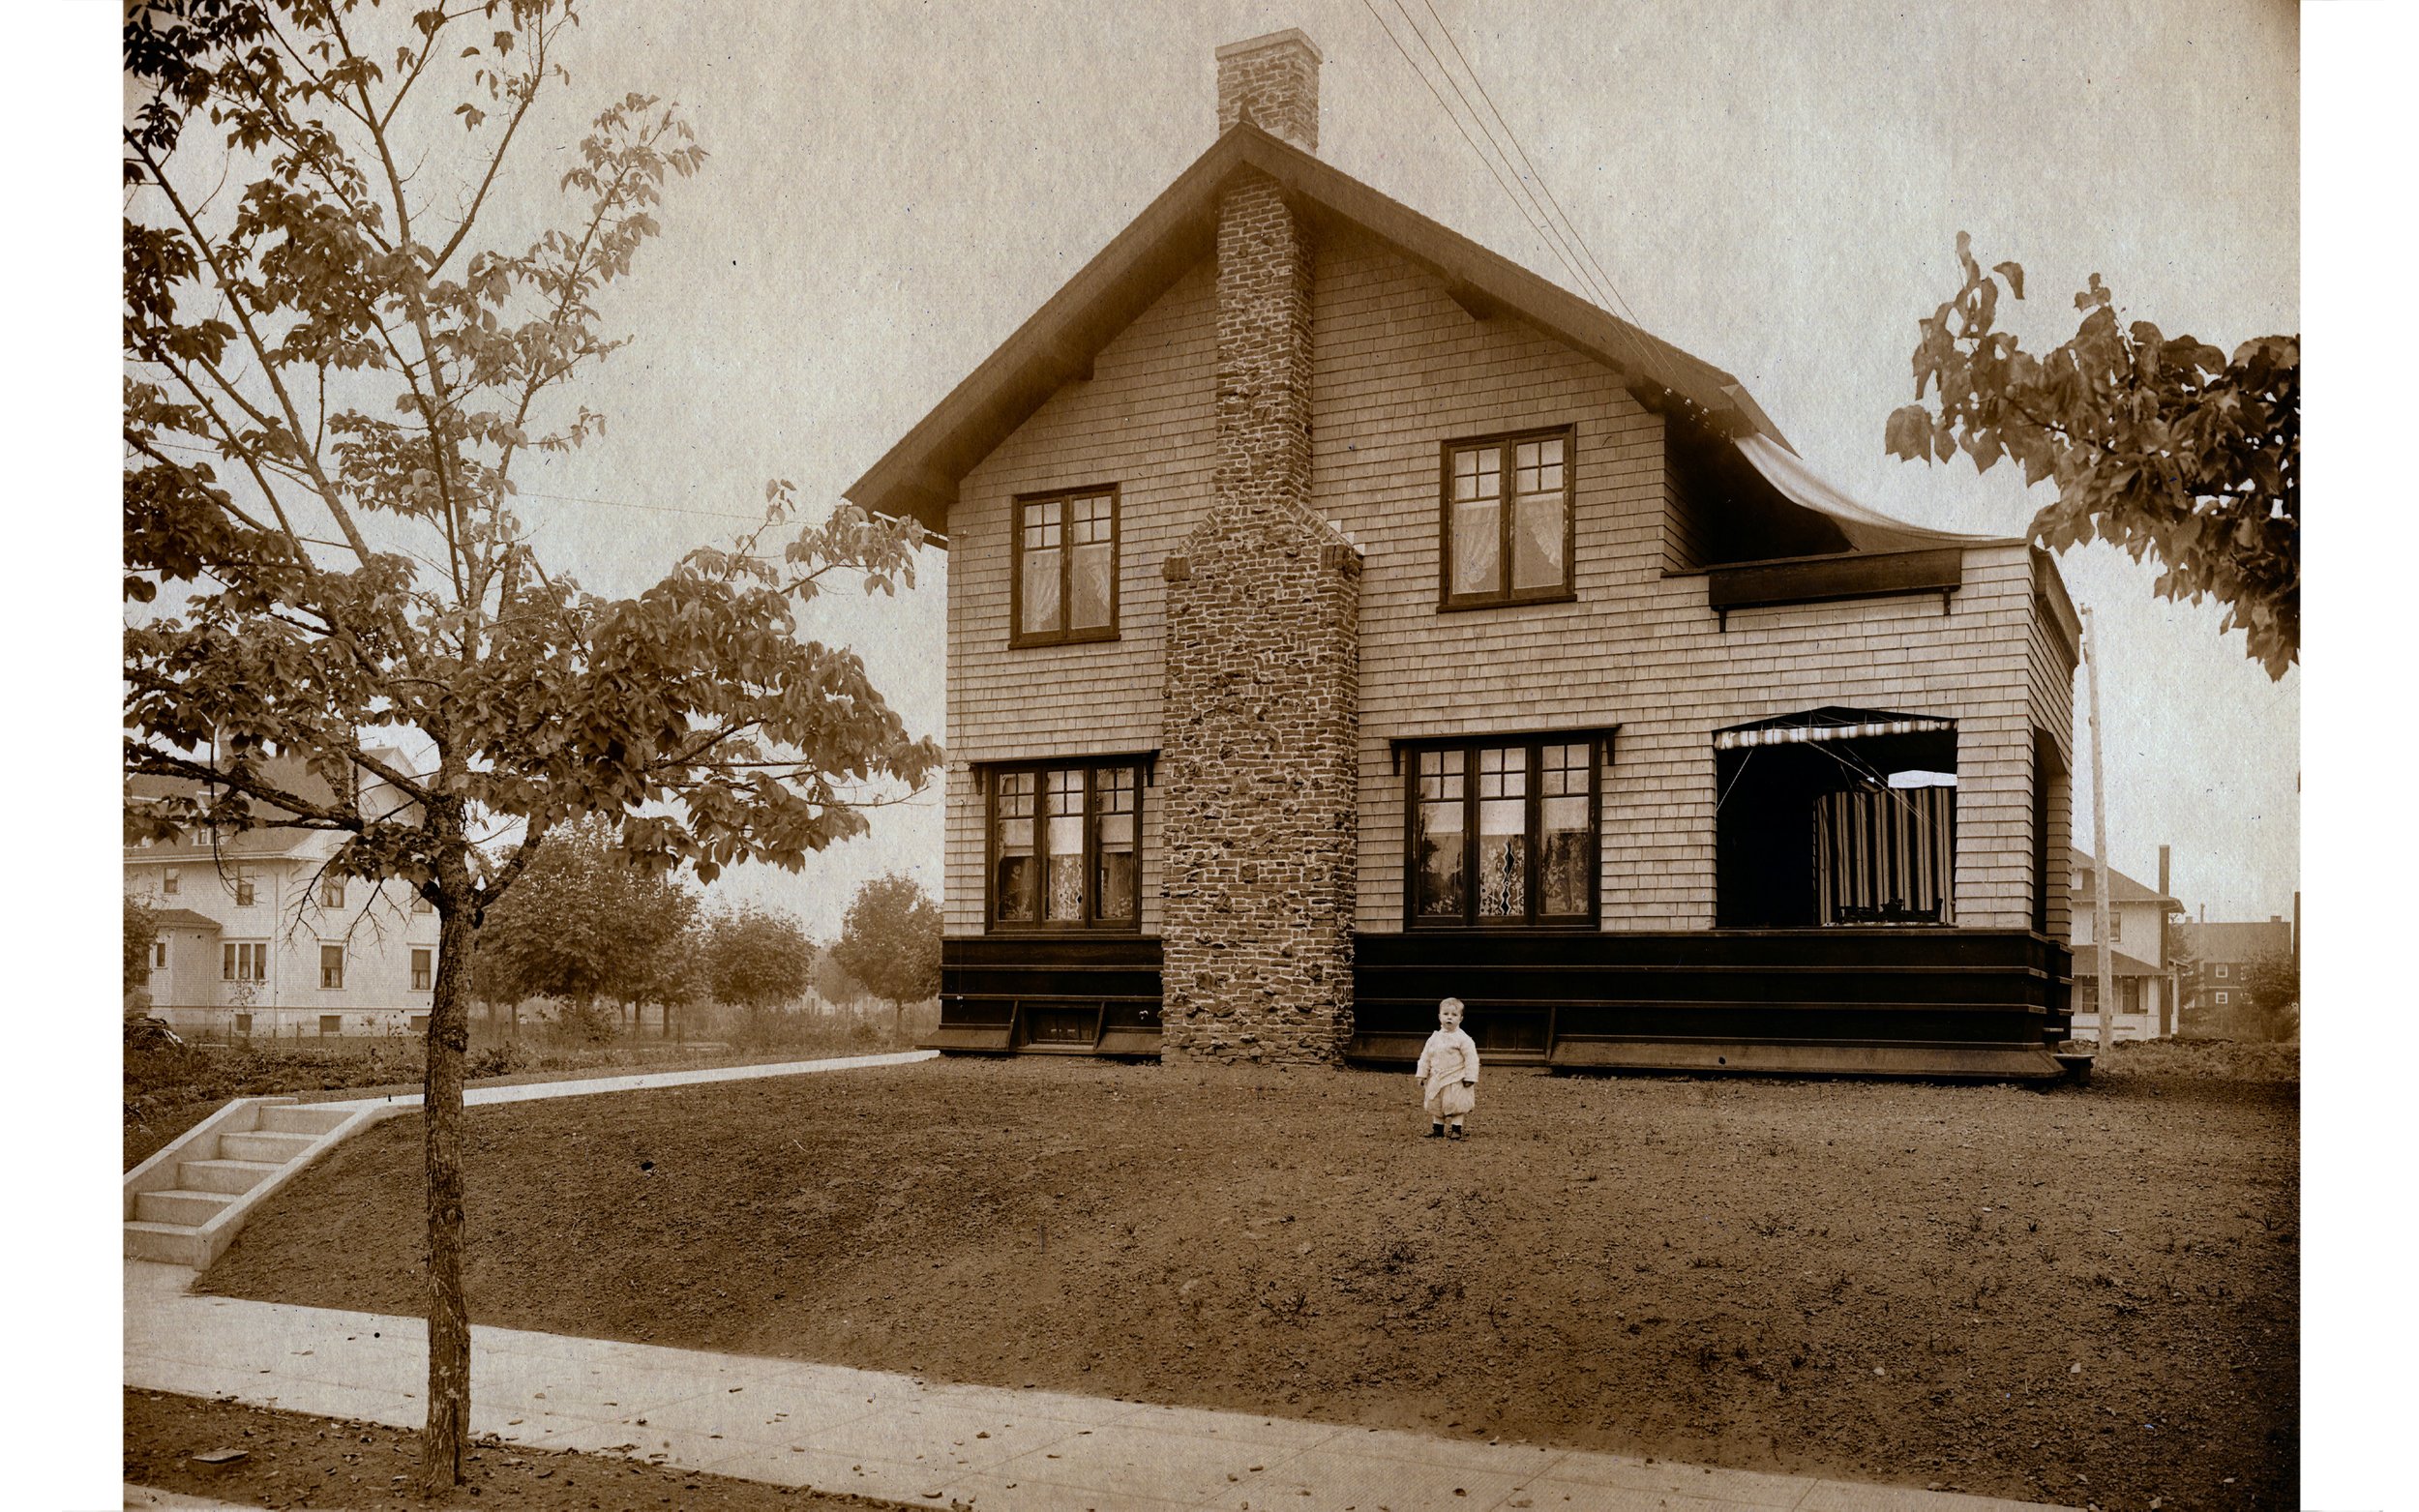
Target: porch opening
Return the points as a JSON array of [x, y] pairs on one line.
[[1835, 817]]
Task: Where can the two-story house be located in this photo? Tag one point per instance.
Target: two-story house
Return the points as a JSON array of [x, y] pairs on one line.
[[1342, 617], [257, 940], [2222, 956], [2143, 988]]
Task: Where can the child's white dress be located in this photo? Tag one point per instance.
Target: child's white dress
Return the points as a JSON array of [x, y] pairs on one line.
[[1449, 1058]]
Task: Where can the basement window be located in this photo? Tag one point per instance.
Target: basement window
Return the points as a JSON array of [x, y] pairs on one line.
[[1064, 583], [1835, 817]]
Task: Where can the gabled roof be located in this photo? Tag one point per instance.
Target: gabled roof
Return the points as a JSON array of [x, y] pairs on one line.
[[2121, 887], [2087, 965], [920, 475]]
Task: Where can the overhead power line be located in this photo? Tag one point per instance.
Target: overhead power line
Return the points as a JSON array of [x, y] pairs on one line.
[[1543, 211]]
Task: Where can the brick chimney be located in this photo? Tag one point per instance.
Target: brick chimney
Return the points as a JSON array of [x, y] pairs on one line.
[[1259, 723], [1274, 80]]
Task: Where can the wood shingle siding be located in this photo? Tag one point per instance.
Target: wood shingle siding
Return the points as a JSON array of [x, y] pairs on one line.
[[1400, 368], [1144, 420]]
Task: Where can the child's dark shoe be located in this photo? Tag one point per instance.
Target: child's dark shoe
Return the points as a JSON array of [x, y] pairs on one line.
[[1436, 1131], [1453, 1132]]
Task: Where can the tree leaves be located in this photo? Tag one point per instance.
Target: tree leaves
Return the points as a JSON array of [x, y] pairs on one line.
[[2160, 446]]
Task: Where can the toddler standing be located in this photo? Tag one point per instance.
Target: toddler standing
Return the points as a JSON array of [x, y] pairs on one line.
[[1447, 1071]]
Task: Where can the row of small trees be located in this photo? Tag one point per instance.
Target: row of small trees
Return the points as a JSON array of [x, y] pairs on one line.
[[588, 927]]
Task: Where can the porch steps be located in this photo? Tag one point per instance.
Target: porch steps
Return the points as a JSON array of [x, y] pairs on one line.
[[185, 1204]]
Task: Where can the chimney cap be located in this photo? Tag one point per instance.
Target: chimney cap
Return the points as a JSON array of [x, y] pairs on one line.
[[1293, 34]]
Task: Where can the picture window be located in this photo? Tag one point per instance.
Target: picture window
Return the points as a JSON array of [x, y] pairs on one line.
[[244, 960], [1066, 845], [1503, 834]]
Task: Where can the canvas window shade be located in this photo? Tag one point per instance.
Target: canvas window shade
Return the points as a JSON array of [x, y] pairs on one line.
[[1885, 856]]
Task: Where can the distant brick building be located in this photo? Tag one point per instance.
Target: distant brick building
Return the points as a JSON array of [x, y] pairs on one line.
[[2222, 955], [1341, 616]]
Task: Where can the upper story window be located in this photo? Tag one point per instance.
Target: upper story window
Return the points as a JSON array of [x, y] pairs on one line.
[[1065, 583], [1066, 845], [167, 881], [2221, 972], [1502, 833], [2116, 927], [245, 892], [331, 892], [1507, 520], [421, 904]]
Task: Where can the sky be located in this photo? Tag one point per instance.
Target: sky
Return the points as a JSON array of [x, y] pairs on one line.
[[891, 189]]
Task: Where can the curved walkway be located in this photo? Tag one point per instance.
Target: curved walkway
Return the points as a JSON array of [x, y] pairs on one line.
[[589, 1086]]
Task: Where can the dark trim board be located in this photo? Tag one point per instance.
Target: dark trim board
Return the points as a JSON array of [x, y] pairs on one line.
[[1978, 1004], [1087, 994]]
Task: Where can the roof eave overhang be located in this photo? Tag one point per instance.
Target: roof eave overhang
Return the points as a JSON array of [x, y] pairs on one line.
[[918, 477]]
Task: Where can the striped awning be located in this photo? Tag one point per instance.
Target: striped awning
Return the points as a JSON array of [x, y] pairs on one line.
[[1800, 734]]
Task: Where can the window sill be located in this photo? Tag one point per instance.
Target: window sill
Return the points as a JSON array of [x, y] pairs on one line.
[[1047, 930], [1080, 638], [1506, 927], [1521, 602]]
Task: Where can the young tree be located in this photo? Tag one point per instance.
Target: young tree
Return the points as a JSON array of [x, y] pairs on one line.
[[831, 980], [330, 375], [2156, 444], [142, 932], [2272, 987], [757, 958], [891, 942], [583, 922]]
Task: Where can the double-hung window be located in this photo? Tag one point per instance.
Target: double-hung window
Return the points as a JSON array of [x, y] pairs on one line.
[[1065, 576], [423, 970], [242, 961], [1506, 531], [1066, 845], [331, 968], [1503, 833]]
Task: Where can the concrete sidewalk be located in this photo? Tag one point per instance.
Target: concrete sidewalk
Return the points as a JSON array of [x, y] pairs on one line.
[[589, 1086], [897, 1437]]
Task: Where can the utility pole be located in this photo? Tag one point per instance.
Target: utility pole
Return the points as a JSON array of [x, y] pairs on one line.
[[2099, 843]]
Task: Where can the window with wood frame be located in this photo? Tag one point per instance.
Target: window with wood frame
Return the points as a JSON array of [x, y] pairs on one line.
[[331, 968], [244, 960], [1064, 581], [1066, 846], [423, 970], [1504, 529], [1502, 833]]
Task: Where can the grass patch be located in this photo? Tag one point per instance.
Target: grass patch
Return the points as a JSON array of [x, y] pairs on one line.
[[2090, 1294]]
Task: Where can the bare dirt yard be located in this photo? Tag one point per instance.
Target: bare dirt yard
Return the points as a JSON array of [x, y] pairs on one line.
[[294, 1460], [2085, 1295]]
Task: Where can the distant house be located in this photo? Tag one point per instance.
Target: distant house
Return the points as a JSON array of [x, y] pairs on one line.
[[1341, 616], [254, 940], [2144, 988], [2222, 956]]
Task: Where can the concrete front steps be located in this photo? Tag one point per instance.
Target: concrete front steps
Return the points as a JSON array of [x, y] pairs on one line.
[[185, 1204]]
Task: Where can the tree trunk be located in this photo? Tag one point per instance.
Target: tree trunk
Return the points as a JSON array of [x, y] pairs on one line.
[[449, 1314]]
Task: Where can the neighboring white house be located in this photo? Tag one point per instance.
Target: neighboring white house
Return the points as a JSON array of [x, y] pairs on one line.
[[2137, 915], [254, 940]]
